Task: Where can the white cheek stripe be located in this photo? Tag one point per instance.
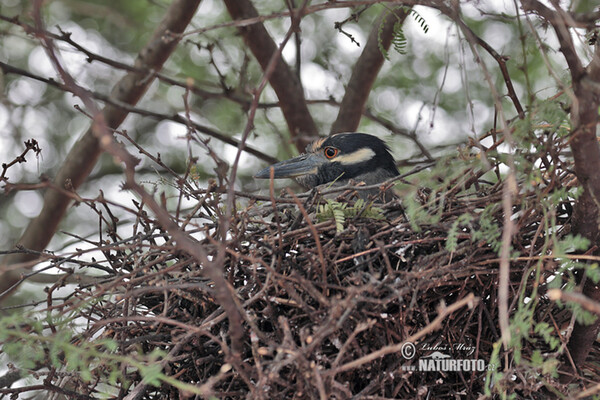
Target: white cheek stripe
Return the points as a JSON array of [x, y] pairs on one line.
[[364, 154]]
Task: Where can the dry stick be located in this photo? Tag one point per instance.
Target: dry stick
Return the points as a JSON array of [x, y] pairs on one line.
[[508, 192], [444, 311], [224, 292], [315, 235], [359, 328], [589, 392], [581, 299], [31, 144]]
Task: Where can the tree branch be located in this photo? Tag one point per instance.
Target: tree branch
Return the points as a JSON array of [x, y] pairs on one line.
[[562, 32], [586, 155], [288, 88], [84, 154], [365, 71]]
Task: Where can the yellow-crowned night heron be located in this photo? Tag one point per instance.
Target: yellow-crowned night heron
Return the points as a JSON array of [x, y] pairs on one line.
[[338, 159]]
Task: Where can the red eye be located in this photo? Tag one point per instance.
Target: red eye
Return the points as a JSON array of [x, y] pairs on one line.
[[331, 152]]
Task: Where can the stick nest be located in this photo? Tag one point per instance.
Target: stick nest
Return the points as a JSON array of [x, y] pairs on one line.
[[324, 313]]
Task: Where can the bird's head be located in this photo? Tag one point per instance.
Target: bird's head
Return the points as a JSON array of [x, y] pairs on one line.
[[338, 158]]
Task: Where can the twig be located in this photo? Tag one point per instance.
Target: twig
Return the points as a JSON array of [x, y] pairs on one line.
[[581, 299], [470, 301], [315, 236]]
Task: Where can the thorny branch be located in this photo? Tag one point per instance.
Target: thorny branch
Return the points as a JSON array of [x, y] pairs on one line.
[[30, 145]]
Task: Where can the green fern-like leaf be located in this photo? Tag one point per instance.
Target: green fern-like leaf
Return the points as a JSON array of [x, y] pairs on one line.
[[399, 40], [420, 20], [382, 49], [338, 215], [339, 212]]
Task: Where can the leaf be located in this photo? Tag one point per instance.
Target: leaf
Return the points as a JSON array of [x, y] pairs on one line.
[[399, 40]]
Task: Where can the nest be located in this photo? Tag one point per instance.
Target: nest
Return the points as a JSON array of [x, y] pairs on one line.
[[326, 312]]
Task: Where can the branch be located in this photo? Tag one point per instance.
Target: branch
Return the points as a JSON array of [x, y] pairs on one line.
[[365, 72], [470, 301], [501, 60], [285, 83], [84, 154], [30, 144], [562, 32], [9, 69], [586, 155], [582, 300]]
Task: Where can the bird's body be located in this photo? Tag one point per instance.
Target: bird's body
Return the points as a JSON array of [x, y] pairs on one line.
[[338, 160]]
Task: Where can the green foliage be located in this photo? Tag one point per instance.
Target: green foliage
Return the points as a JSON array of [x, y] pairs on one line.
[[452, 238], [547, 332], [523, 327], [399, 40], [569, 244], [489, 229], [341, 211], [582, 316], [29, 343], [593, 272]]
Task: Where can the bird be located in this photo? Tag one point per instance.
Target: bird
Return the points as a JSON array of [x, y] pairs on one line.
[[339, 160]]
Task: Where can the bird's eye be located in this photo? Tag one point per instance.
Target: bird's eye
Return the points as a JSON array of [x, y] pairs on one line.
[[331, 152]]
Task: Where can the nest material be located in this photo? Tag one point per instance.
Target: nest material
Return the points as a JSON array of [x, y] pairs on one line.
[[325, 311]]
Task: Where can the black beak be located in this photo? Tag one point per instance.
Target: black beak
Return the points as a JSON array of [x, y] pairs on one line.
[[302, 165]]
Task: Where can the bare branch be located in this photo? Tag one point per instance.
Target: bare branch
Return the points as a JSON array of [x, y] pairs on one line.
[[584, 301], [285, 83], [564, 37], [82, 157]]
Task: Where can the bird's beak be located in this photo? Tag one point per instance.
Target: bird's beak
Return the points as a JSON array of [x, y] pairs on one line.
[[302, 165]]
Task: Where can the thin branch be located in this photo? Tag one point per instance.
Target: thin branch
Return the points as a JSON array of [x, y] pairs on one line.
[[283, 81], [365, 71], [564, 37], [82, 157], [500, 59], [582, 300], [444, 311]]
